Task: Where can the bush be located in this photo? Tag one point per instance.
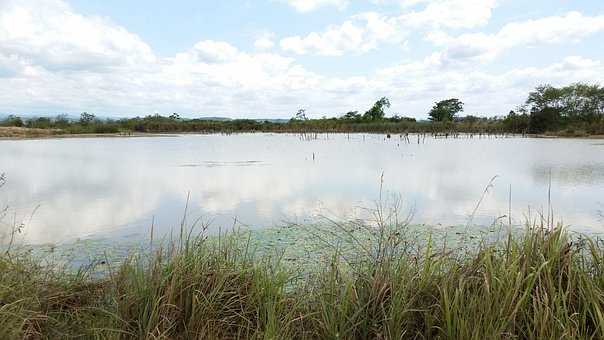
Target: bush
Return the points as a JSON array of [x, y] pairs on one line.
[[106, 128]]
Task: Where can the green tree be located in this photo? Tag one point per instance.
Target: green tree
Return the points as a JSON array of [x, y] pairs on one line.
[[516, 123], [574, 103], [399, 118], [13, 120], [377, 111], [87, 118], [300, 115], [547, 119], [583, 102], [352, 115], [545, 96], [61, 121], [546, 106], [39, 123], [446, 110]]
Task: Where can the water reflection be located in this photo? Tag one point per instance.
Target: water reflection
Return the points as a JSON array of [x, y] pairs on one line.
[[115, 187], [585, 174]]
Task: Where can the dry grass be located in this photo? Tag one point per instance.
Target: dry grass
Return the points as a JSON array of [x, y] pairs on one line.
[[11, 132]]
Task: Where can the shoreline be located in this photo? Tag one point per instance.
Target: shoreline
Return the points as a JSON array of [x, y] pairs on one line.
[[41, 134]]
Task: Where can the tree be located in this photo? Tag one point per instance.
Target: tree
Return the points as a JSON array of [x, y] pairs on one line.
[[352, 115], [39, 123], [377, 111], [517, 123], [175, 116], [552, 108], [547, 119], [446, 110], [399, 118], [87, 118], [300, 115], [61, 121], [582, 102], [545, 96], [13, 120]]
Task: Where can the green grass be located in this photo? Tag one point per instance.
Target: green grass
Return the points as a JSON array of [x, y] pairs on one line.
[[370, 281]]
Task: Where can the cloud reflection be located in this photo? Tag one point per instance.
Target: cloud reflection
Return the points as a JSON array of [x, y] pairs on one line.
[[105, 187]]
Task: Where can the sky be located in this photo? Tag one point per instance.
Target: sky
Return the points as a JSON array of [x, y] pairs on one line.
[[269, 58]]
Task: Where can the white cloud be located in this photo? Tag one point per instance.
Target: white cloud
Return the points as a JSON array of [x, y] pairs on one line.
[[10, 65], [218, 63], [449, 13], [471, 47], [51, 35], [42, 70], [361, 34], [413, 86], [265, 41], [364, 32], [68, 62], [213, 51], [311, 5]]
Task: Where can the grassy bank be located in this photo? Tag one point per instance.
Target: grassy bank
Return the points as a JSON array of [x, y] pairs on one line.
[[159, 124], [11, 132], [539, 284]]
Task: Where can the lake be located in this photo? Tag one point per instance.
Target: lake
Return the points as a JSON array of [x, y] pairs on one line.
[[77, 188]]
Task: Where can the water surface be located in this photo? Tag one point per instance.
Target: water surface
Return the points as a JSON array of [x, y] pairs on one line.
[[64, 189]]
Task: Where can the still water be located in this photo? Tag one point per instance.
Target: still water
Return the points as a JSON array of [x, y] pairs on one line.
[[64, 189]]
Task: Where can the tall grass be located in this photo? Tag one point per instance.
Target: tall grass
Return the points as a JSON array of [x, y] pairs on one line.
[[537, 284]]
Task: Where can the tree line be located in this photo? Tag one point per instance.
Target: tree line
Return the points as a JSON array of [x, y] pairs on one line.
[[575, 109]]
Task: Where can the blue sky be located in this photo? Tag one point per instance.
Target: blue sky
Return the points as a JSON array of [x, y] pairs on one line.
[[268, 58]]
